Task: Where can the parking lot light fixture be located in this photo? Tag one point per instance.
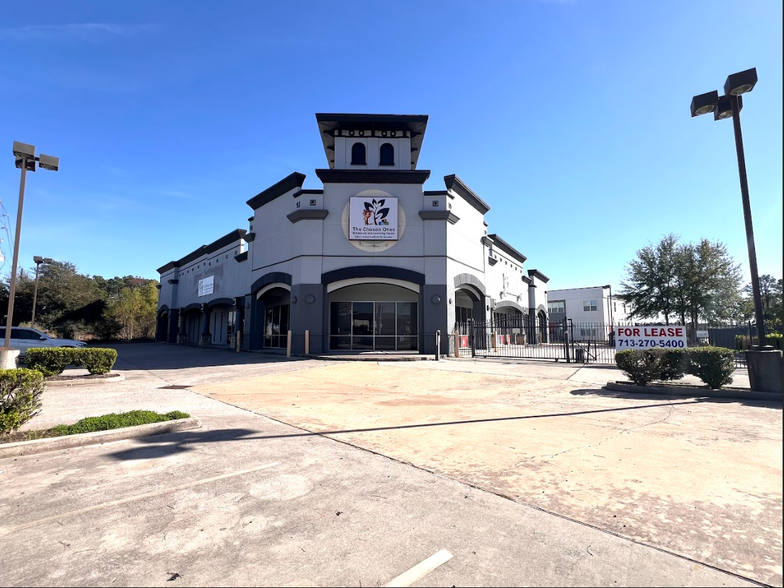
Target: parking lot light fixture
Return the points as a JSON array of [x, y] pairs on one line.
[[25, 159], [729, 106]]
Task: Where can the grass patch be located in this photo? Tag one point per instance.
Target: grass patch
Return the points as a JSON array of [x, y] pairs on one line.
[[101, 423]]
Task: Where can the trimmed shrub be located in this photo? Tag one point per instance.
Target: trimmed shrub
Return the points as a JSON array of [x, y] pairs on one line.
[[20, 398], [712, 365], [645, 366], [115, 421], [642, 367], [50, 361], [673, 363], [96, 361]]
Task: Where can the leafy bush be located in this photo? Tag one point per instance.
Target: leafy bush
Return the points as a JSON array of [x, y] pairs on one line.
[[116, 421], [642, 367], [673, 363], [50, 361], [645, 366], [97, 360], [20, 398], [712, 365]]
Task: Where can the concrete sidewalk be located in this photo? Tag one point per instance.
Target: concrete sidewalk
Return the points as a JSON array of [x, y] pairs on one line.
[[249, 501]]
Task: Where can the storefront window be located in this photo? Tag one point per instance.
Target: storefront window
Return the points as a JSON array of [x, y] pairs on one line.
[[366, 326]]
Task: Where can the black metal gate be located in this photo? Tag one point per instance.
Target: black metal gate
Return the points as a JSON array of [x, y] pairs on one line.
[[522, 336]]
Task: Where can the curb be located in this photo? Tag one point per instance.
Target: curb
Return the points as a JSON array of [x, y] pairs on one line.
[[367, 357], [693, 392], [84, 382], [21, 448]]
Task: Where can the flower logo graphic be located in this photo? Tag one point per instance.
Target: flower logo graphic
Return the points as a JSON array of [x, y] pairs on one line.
[[374, 211]]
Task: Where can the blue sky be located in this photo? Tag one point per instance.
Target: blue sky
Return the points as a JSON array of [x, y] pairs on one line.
[[570, 118]]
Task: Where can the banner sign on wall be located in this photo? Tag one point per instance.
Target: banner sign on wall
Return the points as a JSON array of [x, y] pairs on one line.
[[372, 219], [648, 337], [206, 286]]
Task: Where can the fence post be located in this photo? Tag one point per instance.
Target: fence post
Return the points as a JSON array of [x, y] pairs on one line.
[[472, 327], [288, 344], [438, 344], [457, 343], [307, 342], [566, 342]]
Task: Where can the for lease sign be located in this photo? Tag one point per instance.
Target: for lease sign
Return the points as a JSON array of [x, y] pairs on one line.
[[647, 337]]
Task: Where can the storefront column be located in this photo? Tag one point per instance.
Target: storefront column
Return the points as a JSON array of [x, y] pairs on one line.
[[174, 316], [307, 314], [239, 329], [205, 340], [182, 337]]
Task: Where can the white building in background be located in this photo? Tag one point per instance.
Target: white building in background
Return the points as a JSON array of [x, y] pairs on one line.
[[593, 310]]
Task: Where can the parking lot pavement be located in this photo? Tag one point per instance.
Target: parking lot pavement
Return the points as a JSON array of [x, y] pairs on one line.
[[697, 477], [247, 501]]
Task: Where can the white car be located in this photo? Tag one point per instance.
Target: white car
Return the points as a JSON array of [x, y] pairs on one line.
[[23, 338]]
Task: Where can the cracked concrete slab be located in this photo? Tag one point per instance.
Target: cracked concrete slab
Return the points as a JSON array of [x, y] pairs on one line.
[[695, 477]]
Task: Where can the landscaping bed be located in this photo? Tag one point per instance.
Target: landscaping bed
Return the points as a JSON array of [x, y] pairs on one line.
[[105, 422], [674, 389]]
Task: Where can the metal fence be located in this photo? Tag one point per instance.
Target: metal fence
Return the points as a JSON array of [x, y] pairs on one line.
[[522, 336]]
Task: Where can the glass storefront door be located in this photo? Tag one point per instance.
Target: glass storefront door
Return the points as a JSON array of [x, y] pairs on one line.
[[276, 325], [374, 326]]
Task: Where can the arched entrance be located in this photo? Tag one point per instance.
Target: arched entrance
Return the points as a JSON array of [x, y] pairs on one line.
[[222, 320], [273, 320], [373, 315], [162, 325], [509, 322], [542, 324]]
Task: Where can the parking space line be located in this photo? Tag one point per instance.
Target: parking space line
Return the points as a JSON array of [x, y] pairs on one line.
[[420, 570], [167, 490]]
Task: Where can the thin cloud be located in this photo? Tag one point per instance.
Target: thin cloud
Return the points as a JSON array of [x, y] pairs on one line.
[[86, 30]]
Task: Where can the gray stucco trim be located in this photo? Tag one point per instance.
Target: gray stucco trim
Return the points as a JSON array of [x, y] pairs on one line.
[[439, 215], [173, 282], [307, 214], [372, 176], [492, 260], [414, 124], [372, 271], [287, 184], [510, 304], [527, 280], [250, 237], [535, 273], [270, 278], [163, 309], [192, 306], [457, 185], [241, 257], [227, 239], [307, 192], [507, 248], [471, 280], [220, 301]]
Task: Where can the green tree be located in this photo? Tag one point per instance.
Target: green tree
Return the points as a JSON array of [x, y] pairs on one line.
[[691, 281], [771, 298], [651, 280], [135, 309]]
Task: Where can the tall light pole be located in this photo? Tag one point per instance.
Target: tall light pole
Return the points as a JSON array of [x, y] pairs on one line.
[[38, 261], [612, 323], [729, 106], [766, 370], [26, 161]]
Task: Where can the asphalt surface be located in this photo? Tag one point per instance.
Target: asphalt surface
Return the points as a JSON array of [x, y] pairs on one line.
[[247, 500]]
